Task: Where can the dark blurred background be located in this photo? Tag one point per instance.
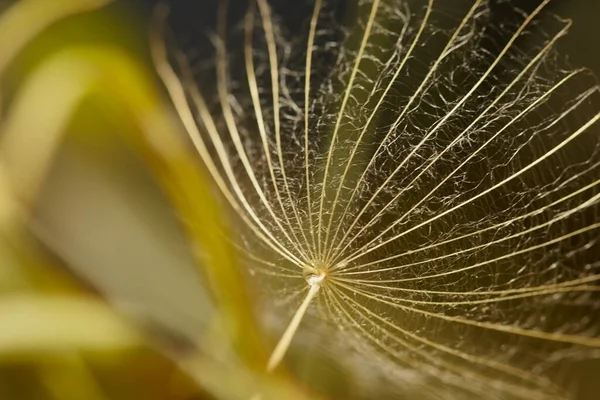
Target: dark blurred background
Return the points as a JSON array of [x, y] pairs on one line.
[[191, 21]]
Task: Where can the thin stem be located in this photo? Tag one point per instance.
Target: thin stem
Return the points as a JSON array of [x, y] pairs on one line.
[[290, 331]]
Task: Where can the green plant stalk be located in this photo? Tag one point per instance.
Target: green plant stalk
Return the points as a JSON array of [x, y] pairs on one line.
[[112, 73]]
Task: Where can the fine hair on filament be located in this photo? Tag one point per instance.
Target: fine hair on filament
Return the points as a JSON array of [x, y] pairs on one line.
[[412, 187]]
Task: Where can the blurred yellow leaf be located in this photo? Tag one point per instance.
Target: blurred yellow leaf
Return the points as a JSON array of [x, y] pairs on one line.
[[38, 324]]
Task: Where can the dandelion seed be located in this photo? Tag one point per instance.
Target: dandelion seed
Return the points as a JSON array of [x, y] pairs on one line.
[[432, 181]]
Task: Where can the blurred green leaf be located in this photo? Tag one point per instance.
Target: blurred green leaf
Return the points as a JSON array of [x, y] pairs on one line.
[[27, 18]]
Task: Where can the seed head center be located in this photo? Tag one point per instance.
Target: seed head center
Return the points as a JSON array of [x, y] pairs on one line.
[[315, 274]]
